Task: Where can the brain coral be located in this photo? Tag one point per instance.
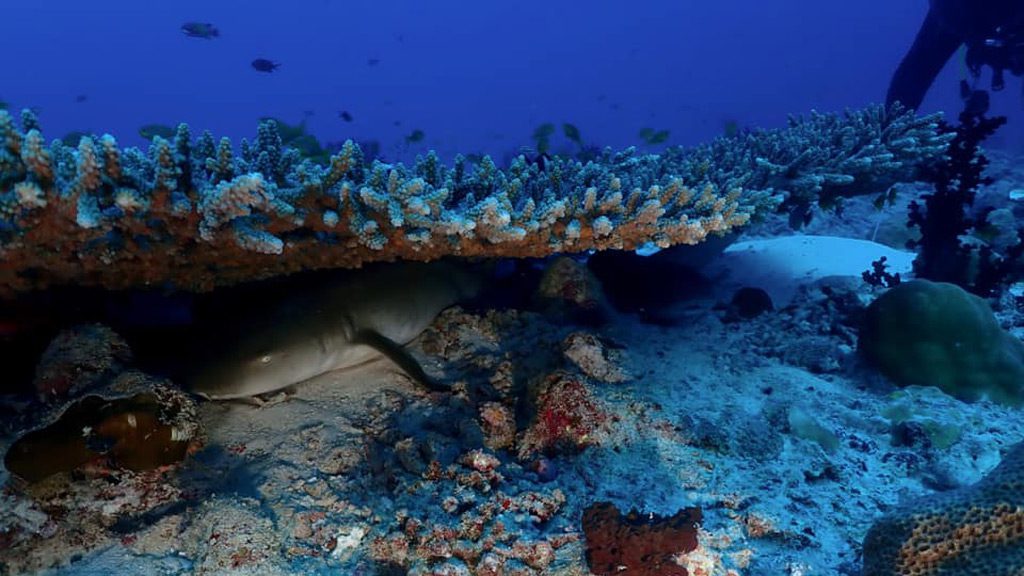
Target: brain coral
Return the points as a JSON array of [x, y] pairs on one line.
[[936, 334], [973, 531]]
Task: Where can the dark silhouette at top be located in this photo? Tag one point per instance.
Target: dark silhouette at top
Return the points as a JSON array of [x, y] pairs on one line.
[[992, 32]]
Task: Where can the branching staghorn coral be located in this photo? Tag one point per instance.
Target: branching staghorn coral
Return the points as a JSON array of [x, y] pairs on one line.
[[193, 215], [824, 157]]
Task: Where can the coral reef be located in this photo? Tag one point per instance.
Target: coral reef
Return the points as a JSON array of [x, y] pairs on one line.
[[640, 544], [977, 530], [365, 475], [826, 157], [229, 536], [492, 518], [196, 215], [569, 291], [595, 357]]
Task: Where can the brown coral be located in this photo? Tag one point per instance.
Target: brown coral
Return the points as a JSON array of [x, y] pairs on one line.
[[147, 430], [973, 531], [638, 544], [101, 414]]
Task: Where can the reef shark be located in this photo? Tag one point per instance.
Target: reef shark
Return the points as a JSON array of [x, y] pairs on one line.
[[339, 325]]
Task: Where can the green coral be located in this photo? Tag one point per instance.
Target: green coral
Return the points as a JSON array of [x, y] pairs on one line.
[[803, 425], [936, 334], [913, 408]]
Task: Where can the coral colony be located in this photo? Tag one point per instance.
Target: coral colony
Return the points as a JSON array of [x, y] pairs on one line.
[[197, 213]]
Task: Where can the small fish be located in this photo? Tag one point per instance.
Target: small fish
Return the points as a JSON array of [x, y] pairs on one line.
[[542, 136], [150, 131], [81, 98], [572, 133], [545, 130], [345, 115], [204, 30], [264, 65], [307, 113], [3, 105], [730, 128], [653, 137], [415, 136], [71, 139], [372, 61]]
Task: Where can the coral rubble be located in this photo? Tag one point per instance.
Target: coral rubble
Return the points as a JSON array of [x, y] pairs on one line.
[[194, 214]]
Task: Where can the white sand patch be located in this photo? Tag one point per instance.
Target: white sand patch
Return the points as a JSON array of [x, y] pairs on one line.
[[781, 265]]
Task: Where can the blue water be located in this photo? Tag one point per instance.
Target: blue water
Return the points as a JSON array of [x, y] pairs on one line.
[[474, 77]]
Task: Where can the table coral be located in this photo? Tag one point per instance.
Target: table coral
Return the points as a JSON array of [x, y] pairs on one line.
[[977, 530], [197, 215]]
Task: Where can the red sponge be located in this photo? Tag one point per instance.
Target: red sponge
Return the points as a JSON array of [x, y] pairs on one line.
[[638, 544]]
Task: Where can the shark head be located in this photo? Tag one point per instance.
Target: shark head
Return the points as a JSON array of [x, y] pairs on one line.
[[264, 361]]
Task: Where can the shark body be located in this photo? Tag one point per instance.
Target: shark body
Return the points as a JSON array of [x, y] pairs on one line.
[[340, 325]]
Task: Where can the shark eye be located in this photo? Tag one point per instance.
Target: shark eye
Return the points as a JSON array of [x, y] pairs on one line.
[[265, 359]]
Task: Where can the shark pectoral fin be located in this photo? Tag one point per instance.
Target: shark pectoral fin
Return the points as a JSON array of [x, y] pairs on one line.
[[397, 354]]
